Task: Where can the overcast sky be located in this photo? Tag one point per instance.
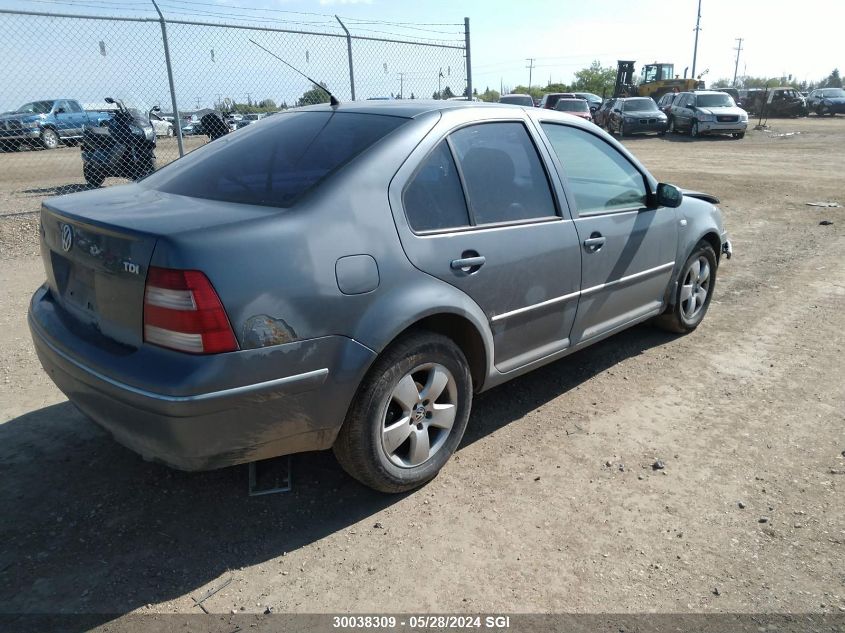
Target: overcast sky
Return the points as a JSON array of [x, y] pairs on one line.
[[780, 37]]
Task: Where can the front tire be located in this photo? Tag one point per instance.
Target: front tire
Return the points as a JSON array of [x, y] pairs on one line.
[[693, 131], [695, 289], [739, 135], [409, 414]]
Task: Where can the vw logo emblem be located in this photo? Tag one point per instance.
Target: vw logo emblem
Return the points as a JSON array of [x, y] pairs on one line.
[[67, 237], [419, 413]]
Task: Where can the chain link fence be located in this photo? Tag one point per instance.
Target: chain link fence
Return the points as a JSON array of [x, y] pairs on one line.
[[93, 100]]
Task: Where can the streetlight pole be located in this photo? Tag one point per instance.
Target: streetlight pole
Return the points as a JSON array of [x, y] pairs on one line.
[[738, 51], [530, 68]]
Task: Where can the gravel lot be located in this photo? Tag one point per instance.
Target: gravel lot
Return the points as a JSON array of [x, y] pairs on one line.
[[551, 504]]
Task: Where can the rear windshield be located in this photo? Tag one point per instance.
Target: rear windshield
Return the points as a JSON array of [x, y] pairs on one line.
[[275, 161], [638, 105], [517, 100], [572, 105], [715, 101]]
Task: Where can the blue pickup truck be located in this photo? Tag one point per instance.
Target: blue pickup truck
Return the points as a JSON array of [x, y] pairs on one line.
[[46, 123]]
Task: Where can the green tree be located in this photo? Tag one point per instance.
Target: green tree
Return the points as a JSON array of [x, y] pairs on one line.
[[447, 93], [557, 88], [312, 96], [833, 80], [534, 91], [489, 95], [596, 79]]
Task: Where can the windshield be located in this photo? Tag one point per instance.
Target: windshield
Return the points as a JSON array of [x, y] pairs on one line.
[[572, 105], [638, 105], [275, 163], [722, 100], [834, 92], [36, 107]]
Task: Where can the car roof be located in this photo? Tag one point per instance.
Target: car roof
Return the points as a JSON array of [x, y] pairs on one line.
[[407, 108], [516, 94]]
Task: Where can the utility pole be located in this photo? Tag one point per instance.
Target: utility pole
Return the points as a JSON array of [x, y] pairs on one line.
[[697, 29], [738, 50], [401, 85], [530, 68]]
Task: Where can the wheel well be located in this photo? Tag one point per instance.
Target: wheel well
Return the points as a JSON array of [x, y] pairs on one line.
[[465, 335], [715, 242]]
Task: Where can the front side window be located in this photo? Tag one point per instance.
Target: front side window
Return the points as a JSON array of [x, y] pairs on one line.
[[434, 200], [600, 178], [73, 106], [503, 173], [273, 164]]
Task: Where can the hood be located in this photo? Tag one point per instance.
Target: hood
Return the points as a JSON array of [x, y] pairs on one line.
[[730, 111], [701, 196], [644, 113], [20, 116]]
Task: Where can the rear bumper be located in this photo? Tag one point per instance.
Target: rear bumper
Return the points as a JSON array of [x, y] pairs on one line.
[[203, 412]]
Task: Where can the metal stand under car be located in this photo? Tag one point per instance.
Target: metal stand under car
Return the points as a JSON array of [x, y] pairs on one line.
[[269, 476]]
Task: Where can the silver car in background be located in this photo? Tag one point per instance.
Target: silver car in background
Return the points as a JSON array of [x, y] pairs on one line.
[[707, 112], [349, 276]]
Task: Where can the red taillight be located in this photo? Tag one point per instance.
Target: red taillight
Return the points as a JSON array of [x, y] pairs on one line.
[[183, 312]]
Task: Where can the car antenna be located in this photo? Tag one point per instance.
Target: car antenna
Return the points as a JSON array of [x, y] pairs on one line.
[[332, 99]]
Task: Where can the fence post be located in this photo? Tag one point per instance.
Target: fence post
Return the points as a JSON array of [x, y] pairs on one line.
[[349, 54], [177, 123], [468, 58]]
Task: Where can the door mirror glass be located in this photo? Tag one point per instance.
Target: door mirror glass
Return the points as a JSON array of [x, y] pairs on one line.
[[669, 195]]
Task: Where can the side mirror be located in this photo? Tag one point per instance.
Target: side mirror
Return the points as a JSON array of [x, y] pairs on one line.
[[156, 109], [669, 196], [60, 110]]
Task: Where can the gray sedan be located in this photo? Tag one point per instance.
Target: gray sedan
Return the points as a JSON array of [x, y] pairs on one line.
[[349, 277]]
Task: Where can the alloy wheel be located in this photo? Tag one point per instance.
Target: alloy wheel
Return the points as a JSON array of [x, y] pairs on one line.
[[695, 287], [419, 415]]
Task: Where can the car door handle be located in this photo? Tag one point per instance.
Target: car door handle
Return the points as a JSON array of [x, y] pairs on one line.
[[468, 263], [594, 242]]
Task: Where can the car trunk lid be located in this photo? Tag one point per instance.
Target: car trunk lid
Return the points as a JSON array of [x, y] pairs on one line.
[[97, 248]]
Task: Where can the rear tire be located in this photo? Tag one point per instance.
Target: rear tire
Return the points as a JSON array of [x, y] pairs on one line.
[[49, 139], [93, 176], [695, 289], [394, 439], [738, 135]]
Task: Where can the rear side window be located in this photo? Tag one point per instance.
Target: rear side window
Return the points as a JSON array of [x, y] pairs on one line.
[[504, 177], [600, 178], [273, 163], [434, 199]]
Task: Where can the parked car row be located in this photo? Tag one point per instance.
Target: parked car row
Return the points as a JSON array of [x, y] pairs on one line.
[[50, 122]]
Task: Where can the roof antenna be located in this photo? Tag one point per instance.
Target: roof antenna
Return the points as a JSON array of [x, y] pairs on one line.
[[332, 99]]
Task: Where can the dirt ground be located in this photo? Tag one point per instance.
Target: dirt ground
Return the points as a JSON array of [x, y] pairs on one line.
[[550, 505]]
